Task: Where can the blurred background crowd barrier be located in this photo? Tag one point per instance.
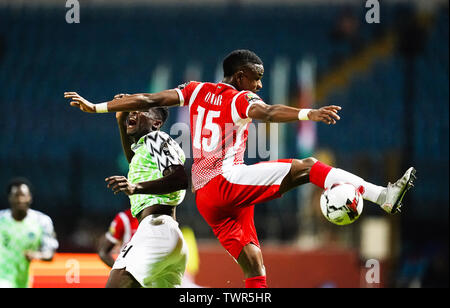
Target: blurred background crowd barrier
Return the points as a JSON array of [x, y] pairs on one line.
[[391, 78]]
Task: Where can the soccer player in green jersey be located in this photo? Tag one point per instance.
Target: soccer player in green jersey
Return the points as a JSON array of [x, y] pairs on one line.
[[25, 234], [156, 255]]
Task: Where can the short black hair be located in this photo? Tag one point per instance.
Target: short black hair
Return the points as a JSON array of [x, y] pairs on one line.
[[17, 181], [161, 112], [237, 59]]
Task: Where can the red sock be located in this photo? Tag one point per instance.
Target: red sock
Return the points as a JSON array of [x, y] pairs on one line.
[[318, 174], [256, 282]]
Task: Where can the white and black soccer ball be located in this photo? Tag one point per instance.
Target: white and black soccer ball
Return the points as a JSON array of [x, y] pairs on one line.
[[341, 203]]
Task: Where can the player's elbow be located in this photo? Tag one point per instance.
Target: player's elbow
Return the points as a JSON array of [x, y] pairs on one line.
[[177, 178], [183, 181]]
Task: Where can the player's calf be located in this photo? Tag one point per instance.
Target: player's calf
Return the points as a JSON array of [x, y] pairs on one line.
[[251, 261]]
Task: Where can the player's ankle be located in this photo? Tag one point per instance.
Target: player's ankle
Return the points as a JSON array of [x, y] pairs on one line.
[[381, 198], [256, 282]]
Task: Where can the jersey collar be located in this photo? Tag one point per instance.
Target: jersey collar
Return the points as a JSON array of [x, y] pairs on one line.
[[229, 85]]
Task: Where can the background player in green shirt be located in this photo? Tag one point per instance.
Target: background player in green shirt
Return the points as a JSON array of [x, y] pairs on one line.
[[25, 234]]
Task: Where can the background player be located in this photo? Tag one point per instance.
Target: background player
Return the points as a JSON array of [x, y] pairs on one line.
[[120, 232], [25, 235], [156, 255], [227, 189]]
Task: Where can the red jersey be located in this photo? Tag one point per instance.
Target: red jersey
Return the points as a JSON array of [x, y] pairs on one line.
[[219, 126], [122, 228]]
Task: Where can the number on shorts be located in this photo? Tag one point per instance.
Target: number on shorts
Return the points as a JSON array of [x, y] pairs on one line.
[[126, 249]]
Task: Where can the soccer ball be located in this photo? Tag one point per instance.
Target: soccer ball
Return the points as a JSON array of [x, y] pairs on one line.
[[341, 203]]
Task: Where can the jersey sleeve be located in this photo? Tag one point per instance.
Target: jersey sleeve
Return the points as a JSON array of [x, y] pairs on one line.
[[116, 230], [165, 151], [48, 240], [243, 103], [185, 91]]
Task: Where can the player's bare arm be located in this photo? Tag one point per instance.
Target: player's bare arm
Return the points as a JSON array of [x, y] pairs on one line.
[[132, 102], [121, 118], [39, 255], [282, 113], [104, 251], [174, 179]]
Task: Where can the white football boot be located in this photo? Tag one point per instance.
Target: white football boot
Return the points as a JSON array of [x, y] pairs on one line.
[[395, 192]]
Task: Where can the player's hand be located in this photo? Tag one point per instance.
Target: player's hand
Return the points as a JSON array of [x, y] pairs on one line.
[[327, 114], [117, 96], [120, 184], [80, 102], [32, 255]]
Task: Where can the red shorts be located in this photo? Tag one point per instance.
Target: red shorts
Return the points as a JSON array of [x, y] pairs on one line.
[[227, 201]]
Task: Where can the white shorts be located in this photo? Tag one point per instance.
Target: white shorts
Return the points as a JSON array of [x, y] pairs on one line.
[[156, 255], [6, 284]]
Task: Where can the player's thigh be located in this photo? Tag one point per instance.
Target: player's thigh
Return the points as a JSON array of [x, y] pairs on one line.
[[252, 184], [120, 278], [156, 247]]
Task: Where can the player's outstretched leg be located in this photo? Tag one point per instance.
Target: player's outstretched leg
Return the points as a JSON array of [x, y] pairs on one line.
[[311, 170]]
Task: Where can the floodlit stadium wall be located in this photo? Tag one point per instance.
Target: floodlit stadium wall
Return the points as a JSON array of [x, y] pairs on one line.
[[286, 267]]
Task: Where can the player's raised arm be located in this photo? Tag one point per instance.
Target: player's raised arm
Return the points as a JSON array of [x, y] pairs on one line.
[[121, 118], [132, 102], [282, 113]]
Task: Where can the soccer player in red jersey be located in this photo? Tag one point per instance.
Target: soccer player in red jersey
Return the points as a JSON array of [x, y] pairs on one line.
[[226, 189], [120, 231]]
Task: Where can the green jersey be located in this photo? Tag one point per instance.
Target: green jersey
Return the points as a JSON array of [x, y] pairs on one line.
[[35, 233], [153, 153]]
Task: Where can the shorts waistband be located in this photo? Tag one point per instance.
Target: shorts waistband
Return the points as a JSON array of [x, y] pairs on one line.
[[154, 218]]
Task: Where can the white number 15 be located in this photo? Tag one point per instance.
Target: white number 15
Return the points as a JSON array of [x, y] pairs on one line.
[[210, 125]]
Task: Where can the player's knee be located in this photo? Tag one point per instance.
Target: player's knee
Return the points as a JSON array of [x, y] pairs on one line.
[[309, 162], [302, 165]]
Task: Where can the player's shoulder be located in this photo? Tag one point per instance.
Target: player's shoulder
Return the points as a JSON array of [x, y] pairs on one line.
[[128, 212], [204, 84], [250, 96], [42, 218], [247, 98], [160, 140], [158, 136], [191, 83], [235, 94], [5, 213], [123, 215], [118, 221]]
